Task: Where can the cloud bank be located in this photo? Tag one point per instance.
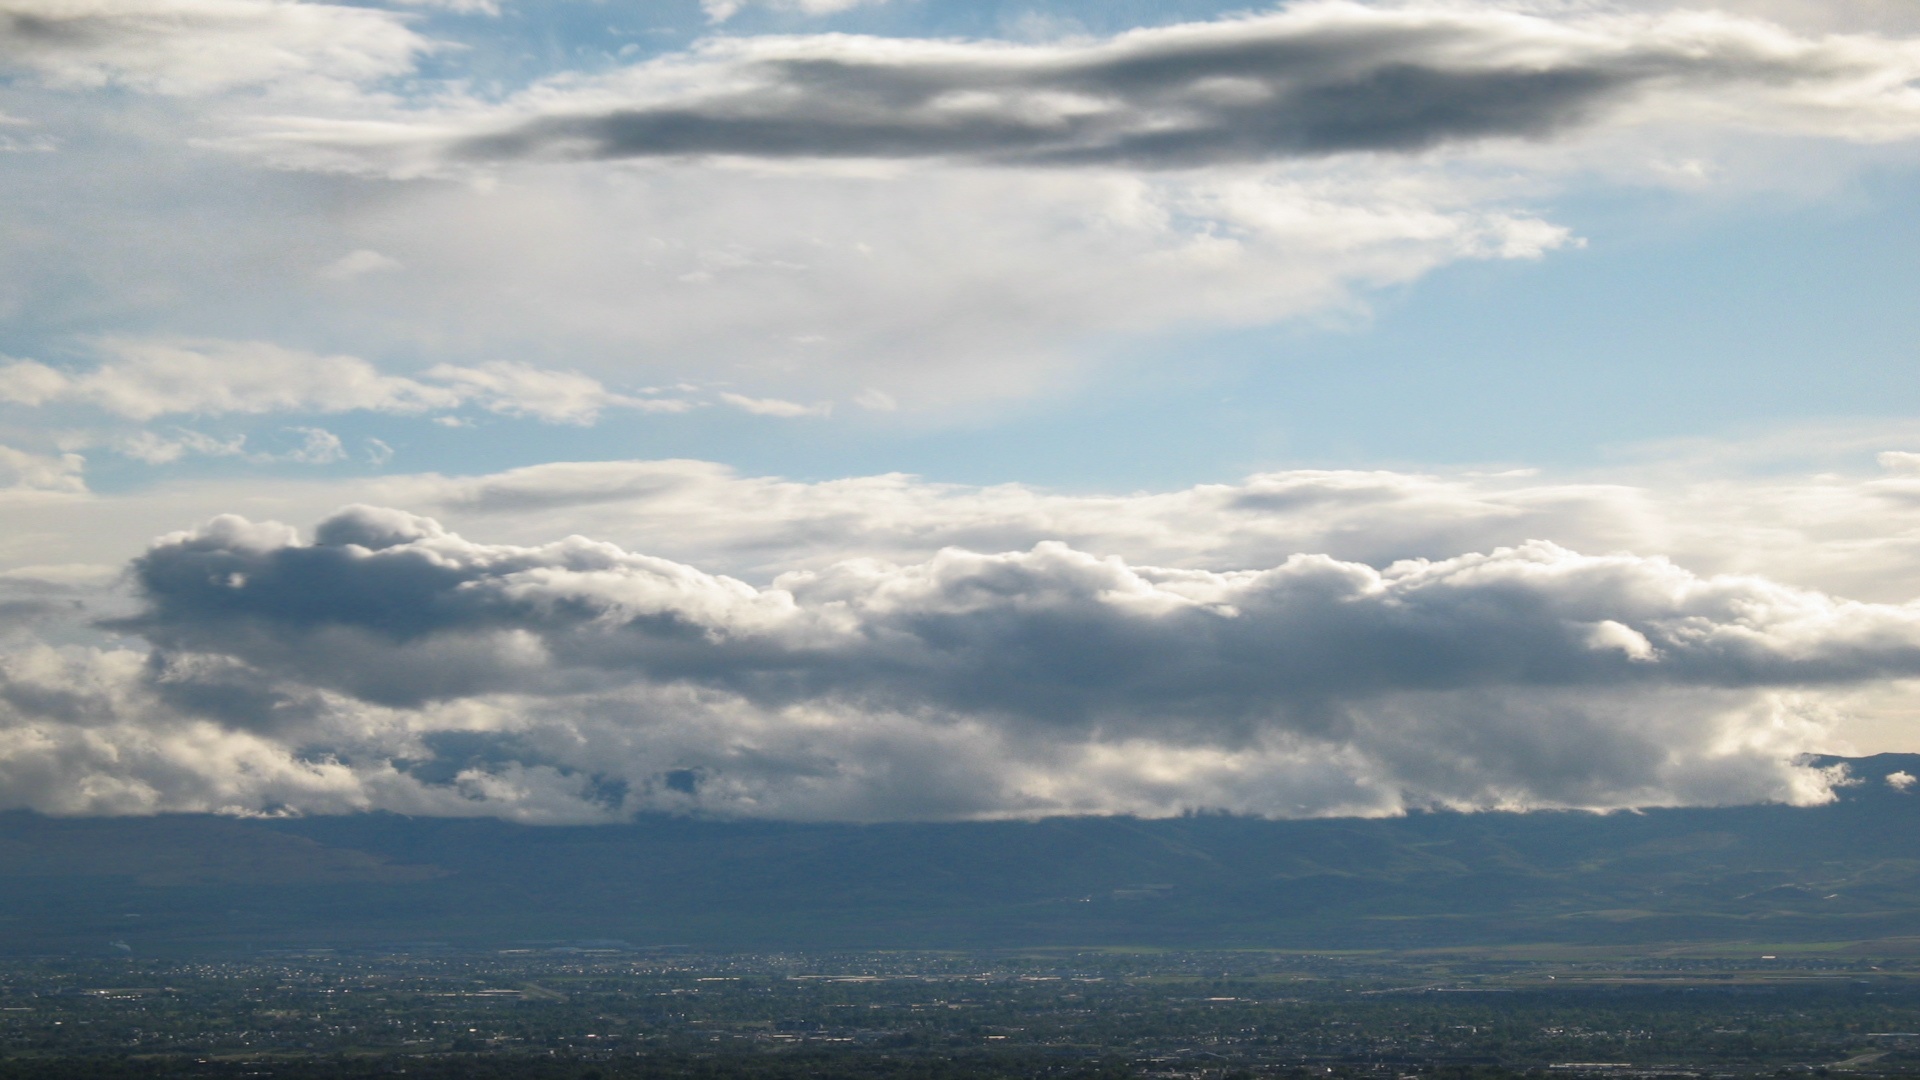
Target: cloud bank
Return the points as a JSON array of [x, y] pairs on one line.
[[391, 663]]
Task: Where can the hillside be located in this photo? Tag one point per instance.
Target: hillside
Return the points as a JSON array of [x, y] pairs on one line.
[[1848, 871]]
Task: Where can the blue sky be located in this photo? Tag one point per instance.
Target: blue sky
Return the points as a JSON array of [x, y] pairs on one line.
[[941, 369]]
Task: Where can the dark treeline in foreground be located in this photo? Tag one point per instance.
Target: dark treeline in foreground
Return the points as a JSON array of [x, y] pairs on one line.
[[200, 885], [1050, 1015]]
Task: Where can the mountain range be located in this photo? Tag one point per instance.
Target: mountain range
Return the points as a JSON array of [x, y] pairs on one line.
[[1848, 871]]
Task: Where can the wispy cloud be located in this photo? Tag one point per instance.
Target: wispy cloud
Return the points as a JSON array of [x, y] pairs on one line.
[[21, 471], [720, 11], [202, 46], [148, 379], [774, 406]]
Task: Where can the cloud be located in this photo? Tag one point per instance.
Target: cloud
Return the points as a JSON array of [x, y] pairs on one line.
[[830, 276], [720, 11], [315, 446], [557, 397], [318, 446], [1075, 639], [358, 264], [1850, 534], [1313, 80], [156, 449], [821, 288], [774, 406], [202, 46], [21, 471], [148, 379], [458, 7], [883, 648], [875, 400], [571, 680]]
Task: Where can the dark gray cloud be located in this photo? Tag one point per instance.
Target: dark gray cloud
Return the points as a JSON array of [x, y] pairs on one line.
[[391, 608], [1316, 80]]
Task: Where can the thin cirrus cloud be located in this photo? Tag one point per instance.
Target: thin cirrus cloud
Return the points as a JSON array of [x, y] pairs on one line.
[[1314, 80]]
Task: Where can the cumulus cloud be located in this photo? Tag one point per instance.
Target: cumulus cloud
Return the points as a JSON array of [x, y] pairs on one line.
[[148, 379], [1075, 640], [1314, 79], [884, 648], [390, 662], [201, 46]]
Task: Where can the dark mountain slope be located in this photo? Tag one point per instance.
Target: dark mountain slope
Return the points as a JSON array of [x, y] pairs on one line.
[[1847, 871]]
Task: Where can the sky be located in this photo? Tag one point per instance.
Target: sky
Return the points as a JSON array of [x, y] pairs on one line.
[[872, 410]]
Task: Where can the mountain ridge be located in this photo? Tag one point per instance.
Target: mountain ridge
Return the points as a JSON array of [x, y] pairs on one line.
[[1846, 871]]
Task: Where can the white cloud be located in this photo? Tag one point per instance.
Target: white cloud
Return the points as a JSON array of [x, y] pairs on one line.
[[358, 264], [720, 11], [816, 288], [313, 446], [774, 406], [157, 449], [318, 446], [148, 379], [819, 279], [21, 471], [557, 397], [876, 400], [459, 7], [202, 46], [810, 279]]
